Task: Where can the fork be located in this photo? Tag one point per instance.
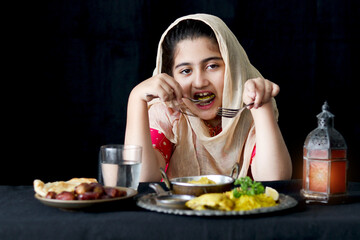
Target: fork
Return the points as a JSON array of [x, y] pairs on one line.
[[148, 95], [229, 112], [178, 108]]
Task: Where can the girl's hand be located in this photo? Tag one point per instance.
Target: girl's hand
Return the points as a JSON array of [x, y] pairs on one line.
[[259, 91], [160, 86]]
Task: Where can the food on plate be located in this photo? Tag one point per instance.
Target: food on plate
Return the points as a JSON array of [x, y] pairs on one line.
[[272, 193], [215, 201], [249, 195], [62, 196], [202, 180], [82, 188], [42, 188], [250, 202], [75, 189]]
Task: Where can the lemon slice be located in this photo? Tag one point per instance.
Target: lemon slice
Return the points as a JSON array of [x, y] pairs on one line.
[[272, 193]]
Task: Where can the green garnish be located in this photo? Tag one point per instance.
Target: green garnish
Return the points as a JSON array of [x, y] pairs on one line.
[[247, 187]]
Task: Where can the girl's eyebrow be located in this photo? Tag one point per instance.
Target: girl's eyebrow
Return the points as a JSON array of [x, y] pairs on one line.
[[202, 61]]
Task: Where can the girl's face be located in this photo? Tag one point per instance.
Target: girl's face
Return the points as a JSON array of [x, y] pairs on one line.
[[199, 69]]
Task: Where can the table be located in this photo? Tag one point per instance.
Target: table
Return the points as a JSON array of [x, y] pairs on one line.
[[24, 217]]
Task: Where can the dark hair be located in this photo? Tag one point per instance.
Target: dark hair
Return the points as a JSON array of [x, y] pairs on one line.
[[186, 29]]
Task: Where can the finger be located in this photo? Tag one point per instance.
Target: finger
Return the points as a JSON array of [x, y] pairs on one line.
[[275, 90], [267, 91], [149, 97], [271, 90], [164, 90], [160, 89], [259, 94], [178, 92], [166, 93], [175, 86], [250, 91]]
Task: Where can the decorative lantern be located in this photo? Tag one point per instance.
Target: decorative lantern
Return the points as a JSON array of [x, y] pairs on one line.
[[325, 163]]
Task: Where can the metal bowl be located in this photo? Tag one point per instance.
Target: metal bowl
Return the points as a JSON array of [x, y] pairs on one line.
[[181, 185]]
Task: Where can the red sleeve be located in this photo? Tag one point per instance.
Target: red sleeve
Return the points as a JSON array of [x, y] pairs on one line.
[[252, 158], [162, 144], [253, 154]]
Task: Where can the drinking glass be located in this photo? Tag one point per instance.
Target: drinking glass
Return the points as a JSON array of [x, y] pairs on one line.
[[120, 165]]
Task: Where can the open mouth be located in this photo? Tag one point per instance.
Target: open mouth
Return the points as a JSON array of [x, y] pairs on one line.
[[205, 97]]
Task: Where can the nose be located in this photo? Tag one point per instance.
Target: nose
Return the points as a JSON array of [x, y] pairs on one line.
[[200, 80]]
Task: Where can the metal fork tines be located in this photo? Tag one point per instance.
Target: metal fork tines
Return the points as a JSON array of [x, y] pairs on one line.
[[196, 100], [181, 108], [229, 112], [151, 96]]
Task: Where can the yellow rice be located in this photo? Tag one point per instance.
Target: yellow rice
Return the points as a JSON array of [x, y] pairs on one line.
[[243, 203]]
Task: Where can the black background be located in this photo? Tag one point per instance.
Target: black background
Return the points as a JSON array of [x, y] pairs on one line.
[[72, 64]]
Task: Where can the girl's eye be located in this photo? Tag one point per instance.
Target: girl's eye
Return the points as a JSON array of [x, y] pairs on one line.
[[212, 66], [185, 71]]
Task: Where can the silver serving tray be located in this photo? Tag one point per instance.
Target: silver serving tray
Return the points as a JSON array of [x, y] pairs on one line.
[[149, 202]]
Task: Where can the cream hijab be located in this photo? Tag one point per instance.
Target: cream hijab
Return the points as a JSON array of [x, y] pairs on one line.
[[197, 153]]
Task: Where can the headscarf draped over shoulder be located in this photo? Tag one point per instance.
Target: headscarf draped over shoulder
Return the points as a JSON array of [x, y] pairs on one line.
[[237, 139]]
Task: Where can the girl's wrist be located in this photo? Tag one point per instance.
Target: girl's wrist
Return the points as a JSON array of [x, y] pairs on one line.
[[137, 95], [266, 111]]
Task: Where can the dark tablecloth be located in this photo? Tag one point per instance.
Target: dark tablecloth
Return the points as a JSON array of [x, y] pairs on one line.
[[24, 217]]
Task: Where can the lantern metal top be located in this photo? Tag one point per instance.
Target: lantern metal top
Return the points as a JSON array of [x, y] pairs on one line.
[[325, 136], [325, 118]]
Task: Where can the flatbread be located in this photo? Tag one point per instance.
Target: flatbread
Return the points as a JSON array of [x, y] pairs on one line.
[[42, 188]]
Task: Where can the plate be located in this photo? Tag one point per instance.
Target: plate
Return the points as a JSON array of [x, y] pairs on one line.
[[87, 204], [149, 202]]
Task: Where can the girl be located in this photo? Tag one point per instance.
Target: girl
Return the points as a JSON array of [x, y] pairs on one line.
[[200, 58]]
